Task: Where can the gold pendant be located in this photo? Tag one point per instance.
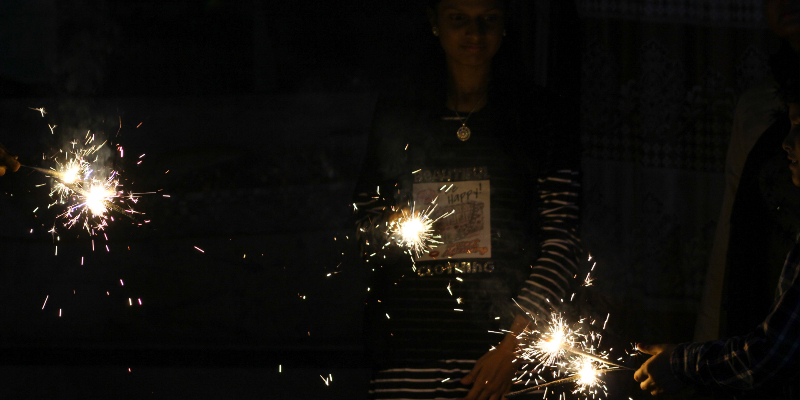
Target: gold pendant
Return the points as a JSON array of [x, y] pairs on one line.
[[463, 133]]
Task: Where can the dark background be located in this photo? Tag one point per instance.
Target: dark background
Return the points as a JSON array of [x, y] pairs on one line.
[[259, 111]]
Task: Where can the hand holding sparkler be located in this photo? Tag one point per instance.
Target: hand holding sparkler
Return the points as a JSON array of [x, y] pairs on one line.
[[569, 351], [655, 375], [7, 161], [492, 375]]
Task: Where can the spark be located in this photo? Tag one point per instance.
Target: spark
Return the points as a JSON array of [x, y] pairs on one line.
[[87, 191], [40, 109], [550, 346], [587, 372], [413, 230], [199, 249], [45, 301]]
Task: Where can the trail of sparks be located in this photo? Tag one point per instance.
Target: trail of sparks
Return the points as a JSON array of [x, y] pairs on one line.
[[572, 355], [574, 378], [79, 187]]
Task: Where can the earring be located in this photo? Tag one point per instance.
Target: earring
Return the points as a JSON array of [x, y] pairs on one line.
[[505, 32], [435, 31]]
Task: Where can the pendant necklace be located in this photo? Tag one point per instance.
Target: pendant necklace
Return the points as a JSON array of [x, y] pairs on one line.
[[463, 133]]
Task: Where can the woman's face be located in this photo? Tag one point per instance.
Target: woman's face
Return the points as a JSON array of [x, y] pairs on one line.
[[470, 31], [792, 142]]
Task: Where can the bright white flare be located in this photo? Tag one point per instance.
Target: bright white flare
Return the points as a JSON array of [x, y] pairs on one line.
[[588, 374], [414, 231], [97, 197], [550, 347]]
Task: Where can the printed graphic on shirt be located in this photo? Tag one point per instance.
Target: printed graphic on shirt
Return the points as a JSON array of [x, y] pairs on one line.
[[466, 233]]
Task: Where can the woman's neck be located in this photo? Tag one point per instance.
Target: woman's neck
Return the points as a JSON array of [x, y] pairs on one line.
[[467, 86]]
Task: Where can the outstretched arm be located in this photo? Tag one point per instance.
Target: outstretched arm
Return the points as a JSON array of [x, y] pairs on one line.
[[557, 264], [740, 362]]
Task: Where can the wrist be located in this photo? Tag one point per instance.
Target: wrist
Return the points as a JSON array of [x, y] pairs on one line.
[[509, 343], [679, 363]]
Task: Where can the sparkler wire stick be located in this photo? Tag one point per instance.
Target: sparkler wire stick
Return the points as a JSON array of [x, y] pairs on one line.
[[558, 382], [54, 174], [594, 357]]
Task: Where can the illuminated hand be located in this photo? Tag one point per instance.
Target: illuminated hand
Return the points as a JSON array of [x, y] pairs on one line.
[[655, 375], [492, 374], [7, 161]]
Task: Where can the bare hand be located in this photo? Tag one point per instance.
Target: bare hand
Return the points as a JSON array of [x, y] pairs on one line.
[[7, 161], [491, 377], [655, 375]]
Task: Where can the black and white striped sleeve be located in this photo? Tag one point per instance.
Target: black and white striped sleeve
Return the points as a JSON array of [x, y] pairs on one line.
[[553, 272]]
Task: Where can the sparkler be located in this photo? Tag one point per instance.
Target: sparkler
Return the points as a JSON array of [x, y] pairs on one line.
[[414, 231], [87, 197], [573, 354]]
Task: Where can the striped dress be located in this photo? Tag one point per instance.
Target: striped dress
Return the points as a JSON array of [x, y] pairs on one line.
[[512, 190]]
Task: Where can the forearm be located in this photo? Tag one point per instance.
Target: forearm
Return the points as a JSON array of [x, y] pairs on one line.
[[745, 362], [554, 270]]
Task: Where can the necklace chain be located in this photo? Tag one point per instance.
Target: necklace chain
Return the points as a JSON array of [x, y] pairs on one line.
[[464, 132]]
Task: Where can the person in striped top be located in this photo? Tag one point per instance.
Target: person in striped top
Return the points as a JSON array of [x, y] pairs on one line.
[[511, 182]]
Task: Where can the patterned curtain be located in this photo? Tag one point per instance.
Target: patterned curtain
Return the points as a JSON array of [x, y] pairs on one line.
[[659, 84]]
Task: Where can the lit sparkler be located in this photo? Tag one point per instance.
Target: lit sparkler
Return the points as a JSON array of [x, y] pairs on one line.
[[549, 349], [587, 372], [414, 231], [87, 196], [573, 355]]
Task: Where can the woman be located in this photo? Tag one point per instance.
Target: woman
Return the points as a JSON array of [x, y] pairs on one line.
[[493, 151]]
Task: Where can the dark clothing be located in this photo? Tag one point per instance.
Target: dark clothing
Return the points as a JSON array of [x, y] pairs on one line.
[[766, 213], [768, 356], [513, 185]]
